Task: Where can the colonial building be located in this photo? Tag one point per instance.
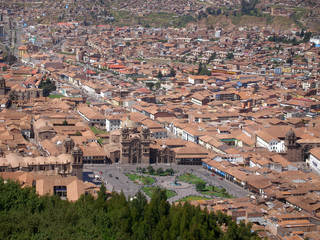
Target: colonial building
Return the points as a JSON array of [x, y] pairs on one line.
[[20, 94], [130, 146], [66, 164], [297, 150], [43, 130]]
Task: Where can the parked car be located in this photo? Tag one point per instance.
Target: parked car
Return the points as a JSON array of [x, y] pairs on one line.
[[221, 178], [212, 174], [110, 175]]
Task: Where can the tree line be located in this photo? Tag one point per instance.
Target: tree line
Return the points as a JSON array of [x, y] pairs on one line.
[[26, 215]]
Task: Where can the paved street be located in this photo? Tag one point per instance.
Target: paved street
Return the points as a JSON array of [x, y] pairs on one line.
[[114, 179]]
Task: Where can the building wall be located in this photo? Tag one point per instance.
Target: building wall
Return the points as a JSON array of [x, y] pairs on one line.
[[314, 163]]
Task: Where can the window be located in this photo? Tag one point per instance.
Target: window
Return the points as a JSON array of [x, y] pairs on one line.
[[61, 191]]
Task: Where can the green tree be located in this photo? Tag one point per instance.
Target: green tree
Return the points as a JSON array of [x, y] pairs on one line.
[[150, 85], [78, 133], [172, 73], [47, 86], [302, 33], [307, 37], [102, 194], [230, 55], [65, 122], [248, 7], [157, 85], [202, 70], [150, 170], [199, 68], [200, 186], [160, 75], [159, 171], [170, 171], [26, 215]]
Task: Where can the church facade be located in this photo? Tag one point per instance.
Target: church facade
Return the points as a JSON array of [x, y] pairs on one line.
[[130, 146]]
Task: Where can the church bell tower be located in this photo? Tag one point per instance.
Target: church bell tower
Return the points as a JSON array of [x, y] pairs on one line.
[[77, 162]]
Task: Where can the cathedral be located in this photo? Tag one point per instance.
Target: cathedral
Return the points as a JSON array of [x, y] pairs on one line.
[[129, 146]]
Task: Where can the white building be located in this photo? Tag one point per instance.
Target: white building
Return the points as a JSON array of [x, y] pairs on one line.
[[112, 123], [271, 143], [315, 40], [314, 159]]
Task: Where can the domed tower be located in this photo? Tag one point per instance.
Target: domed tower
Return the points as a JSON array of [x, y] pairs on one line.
[[77, 162], [68, 145], [293, 150], [131, 125], [290, 139]]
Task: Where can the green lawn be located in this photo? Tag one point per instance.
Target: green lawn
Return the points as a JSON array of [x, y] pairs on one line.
[[56, 96], [218, 192], [193, 198], [137, 178], [98, 131], [190, 178], [67, 53], [149, 191]]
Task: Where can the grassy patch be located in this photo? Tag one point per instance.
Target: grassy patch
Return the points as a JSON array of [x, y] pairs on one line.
[[67, 53], [56, 96], [216, 192], [190, 178], [98, 131], [159, 172], [140, 179], [149, 192], [193, 198]]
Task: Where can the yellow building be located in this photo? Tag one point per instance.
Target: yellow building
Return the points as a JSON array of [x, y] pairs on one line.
[[23, 49]]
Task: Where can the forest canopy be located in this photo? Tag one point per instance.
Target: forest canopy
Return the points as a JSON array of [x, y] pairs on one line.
[[26, 215]]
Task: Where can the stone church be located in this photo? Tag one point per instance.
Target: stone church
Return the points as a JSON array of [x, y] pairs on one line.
[[298, 149], [70, 162], [129, 146], [17, 93]]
